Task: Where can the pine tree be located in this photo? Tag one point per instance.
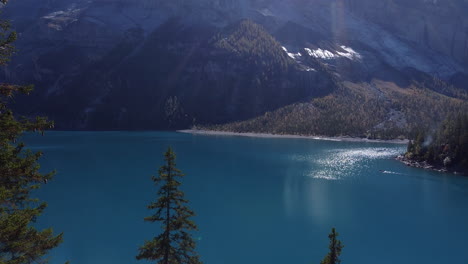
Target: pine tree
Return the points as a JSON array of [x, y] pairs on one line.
[[335, 246], [20, 241], [175, 244]]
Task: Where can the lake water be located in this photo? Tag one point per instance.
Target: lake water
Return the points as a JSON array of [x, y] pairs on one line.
[[258, 200]]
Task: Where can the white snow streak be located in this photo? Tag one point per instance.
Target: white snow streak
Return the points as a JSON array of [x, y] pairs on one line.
[[328, 55], [292, 55], [320, 53]]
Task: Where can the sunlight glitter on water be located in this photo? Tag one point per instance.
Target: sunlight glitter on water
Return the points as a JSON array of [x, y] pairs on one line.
[[340, 163]]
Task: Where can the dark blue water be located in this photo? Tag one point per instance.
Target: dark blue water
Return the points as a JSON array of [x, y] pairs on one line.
[[257, 200]]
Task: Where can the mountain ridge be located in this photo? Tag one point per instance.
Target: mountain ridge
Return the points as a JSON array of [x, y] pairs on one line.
[[140, 65]]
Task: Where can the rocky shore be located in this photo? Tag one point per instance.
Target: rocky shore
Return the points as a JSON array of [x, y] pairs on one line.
[[422, 164]]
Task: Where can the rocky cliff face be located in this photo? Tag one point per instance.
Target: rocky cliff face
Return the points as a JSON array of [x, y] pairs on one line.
[[112, 64], [438, 25], [431, 36]]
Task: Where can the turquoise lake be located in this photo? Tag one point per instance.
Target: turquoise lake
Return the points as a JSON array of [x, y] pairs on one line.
[[258, 200]]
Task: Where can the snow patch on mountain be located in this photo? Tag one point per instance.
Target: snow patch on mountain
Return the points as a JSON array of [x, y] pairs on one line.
[[350, 53], [320, 53], [338, 24], [328, 55], [294, 56], [297, 57]]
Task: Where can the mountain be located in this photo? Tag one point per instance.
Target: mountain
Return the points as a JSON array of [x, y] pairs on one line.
[[365, 68]]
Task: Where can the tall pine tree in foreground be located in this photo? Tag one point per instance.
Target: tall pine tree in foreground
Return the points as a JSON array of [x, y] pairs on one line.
[[335, 246], [175, 244], [20, 241]]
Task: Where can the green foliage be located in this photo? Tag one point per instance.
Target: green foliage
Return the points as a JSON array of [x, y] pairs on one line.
[[357, 110], [20, 241], [346, 112], [335, 247], [252, 42], [175, 244], [438, 85], [217, 74], [7, 37], [447, 147]]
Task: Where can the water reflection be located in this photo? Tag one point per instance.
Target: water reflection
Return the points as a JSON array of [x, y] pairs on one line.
[[310, 192], [336, 164]]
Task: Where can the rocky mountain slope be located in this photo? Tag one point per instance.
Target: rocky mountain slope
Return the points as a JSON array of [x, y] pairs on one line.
[[151, 64]]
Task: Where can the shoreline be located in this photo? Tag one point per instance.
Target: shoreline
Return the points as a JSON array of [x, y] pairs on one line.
[[420, 164], [426, 166], [268, 135]]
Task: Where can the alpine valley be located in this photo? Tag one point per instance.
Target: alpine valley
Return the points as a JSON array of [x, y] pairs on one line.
[[364, 68]]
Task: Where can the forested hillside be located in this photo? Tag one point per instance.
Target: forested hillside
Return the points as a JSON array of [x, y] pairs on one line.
[[446, 147], [183, 75], [377, 110]]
